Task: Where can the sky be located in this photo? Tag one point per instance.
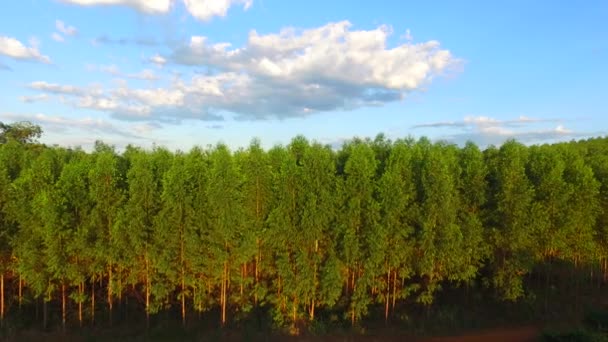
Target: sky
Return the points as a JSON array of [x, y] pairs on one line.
[[180, 73]]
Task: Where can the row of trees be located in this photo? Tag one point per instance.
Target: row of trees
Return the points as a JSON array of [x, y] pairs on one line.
[[295, 229]]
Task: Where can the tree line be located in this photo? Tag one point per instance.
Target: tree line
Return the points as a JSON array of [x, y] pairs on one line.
[[295, 230]]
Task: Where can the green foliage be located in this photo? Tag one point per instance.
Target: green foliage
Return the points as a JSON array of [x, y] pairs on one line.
[[301, 234]]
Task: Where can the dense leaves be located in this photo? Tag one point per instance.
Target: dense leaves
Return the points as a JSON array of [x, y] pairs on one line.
[[293, 232]]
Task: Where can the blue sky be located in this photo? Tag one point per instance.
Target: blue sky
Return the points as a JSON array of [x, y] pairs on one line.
[[180, 73]]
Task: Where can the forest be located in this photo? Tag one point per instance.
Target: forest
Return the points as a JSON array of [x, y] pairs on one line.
[[302, 236]]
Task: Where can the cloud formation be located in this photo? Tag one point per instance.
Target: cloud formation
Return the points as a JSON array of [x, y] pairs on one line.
[[486, 131], [64, 31], [59, 124], [206, 9], [144, 6], [202, 10], [14, 49], [289, 74]]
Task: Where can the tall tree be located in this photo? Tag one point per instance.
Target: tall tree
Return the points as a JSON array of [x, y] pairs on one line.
[[224, 221], [360, 223], [107, 198], [509, 219]]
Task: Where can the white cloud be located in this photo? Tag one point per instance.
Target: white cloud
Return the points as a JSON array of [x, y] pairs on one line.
[[34, 98], [57, 88], [63, 124], [65, 29], [331, 54], [486, 131], [57, 37], [13, 48], [145, 6], [200, 9], [206, 9], [159, 60], [289, 74]]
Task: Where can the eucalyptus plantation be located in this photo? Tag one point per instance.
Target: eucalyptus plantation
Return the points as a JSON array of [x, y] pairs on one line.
[[300, 237]]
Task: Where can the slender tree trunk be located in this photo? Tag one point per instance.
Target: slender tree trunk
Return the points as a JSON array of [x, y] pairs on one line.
[[92, 302], [394, 289], [183, 300], [44, 313], [80, 295], [20, 291], [110, 293], [224, 290], [147, 294], [63, 306], [388, 295], [294, 315], [257, 270], [1, 299]]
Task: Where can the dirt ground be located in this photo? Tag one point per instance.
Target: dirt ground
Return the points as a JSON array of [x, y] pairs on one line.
[[522, 334], [526, 334]]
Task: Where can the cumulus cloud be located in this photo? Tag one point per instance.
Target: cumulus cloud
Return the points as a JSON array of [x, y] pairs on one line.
[[13, 48], [34, 98], [200, 9], [158, 60], [486, 131], [57, 37], [289, 74], [144, 6], [64, 31], [60, 124], [206, 9]]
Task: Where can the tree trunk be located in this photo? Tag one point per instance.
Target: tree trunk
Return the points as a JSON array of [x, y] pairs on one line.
[[224, 290], [110, 294], [257, 271], [1, 299], [92, 302], [183, 300], [44, 314], [63, 306], [20, 291], [388, 295], [147, 294], [80, 295], [394, 289]]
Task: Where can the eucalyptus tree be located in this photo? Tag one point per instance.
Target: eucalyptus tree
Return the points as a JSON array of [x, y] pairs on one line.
[[140, 211], [174, 229], [318, 262], [583, 209], [510, 218], [285, 232], [7, 230], [225, 226], [597, 159], [440, 240], [397, 196], [107, 198], [546, 168], [31, 194], [360, 224], [67, 214], [257, 192], [196, 165], [473, 190]]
